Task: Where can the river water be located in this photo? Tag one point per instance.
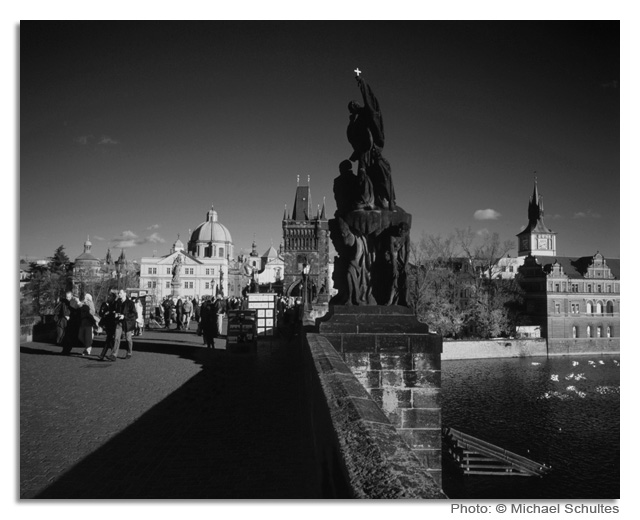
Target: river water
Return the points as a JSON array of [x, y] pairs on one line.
[[561, 411]]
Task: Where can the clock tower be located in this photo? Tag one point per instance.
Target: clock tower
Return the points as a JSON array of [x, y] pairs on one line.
[[536, 239]]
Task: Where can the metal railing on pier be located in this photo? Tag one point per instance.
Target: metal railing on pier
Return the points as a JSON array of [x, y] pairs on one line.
[[477, 457]]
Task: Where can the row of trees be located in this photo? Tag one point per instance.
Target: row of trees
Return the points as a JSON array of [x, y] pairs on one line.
[[455, 286], [49, 281]]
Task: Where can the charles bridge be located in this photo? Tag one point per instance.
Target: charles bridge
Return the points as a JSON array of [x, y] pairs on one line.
[[288, 420]]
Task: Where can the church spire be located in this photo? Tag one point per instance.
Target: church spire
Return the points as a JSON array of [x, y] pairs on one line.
[[535, 211]]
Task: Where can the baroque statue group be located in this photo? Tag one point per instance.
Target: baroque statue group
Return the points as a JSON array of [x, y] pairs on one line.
[[369, 231]]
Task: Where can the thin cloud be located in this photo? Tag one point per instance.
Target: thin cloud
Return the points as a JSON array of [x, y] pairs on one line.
[[96, 237], [587, 214], [154, 226], [106, 140], [125, 240], [154, 238], [129, 239], [483, 232], [486, 214]]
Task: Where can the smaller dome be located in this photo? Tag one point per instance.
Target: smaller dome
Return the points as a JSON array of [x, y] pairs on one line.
[[86, 258]]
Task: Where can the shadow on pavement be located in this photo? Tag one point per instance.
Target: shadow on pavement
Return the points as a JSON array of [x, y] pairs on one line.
[[233, 431]]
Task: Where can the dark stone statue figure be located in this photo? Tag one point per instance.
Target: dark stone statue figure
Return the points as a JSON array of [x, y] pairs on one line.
[[365, 133], [351, 191], [390, 268], [353, 266], [369, 231]]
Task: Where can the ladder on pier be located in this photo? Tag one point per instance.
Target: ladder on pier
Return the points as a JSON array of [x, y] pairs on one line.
[[477, 457]]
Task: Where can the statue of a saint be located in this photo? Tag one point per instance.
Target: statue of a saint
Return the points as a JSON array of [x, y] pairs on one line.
[[177, 267], [365, 133], [351, 191], [354, 266]]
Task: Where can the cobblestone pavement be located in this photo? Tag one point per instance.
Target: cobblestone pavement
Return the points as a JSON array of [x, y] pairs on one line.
[[175, 421]]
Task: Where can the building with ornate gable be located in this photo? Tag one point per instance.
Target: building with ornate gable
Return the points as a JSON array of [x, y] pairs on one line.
[[574, 300]]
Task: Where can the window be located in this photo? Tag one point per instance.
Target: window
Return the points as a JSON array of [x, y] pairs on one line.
[[588, 287], [168, 285], [575, 332], [599, 308], [511, 269], [599, 288], [575, 308], [574, 287], [610, 308], [589, 307], [188, 270], [188, 285], [608, 288], [599, 332], [557, 305], [588, 331], [221, 252], [207, 285], [168, 270], [152, 270], [149, 284], [557, 287], [207, 272], [609, 332]]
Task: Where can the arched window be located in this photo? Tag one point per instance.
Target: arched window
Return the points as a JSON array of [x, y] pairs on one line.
[[589, 307], [610, 307], [609, 331], [599, 308], [588, 331], [575, 332], [599, 332]]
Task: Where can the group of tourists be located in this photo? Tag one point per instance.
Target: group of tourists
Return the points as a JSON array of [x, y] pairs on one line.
[[78, 322], [121, 318]]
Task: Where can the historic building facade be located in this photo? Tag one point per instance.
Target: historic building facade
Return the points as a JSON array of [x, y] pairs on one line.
[[305, 241], [203, 265], [575, 301]]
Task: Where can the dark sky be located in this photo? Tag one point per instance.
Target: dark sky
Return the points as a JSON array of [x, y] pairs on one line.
[[129, 132]]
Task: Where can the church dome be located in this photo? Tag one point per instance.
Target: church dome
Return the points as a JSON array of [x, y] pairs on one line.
[[211, 230], [86, 259]]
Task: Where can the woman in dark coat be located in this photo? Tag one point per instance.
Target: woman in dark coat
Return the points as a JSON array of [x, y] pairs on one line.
[[208, 320], [179, 314], [108, 323]]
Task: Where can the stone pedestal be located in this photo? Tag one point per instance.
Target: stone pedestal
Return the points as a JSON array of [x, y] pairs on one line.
[[397, 361], [175, 288]]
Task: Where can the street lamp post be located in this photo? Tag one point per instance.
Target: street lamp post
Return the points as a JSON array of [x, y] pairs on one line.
[[305, 277]]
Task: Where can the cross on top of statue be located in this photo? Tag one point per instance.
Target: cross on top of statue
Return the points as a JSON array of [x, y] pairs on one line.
[[357, 71]]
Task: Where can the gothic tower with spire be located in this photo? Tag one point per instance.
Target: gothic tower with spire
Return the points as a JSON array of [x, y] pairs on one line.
[[305, 240], [536, 239]]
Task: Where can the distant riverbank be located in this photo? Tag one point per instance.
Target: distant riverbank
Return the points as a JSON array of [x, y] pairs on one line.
[[507, 348]]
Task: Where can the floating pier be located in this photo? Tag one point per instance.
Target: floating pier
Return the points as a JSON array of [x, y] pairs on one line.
[[477, 457]]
